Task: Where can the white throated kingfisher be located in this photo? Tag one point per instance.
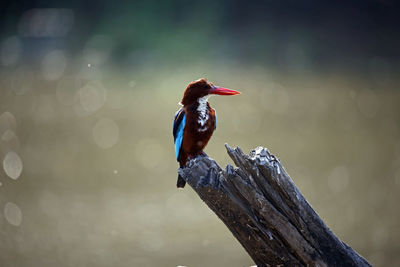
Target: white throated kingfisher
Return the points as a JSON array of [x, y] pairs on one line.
[[196, 121]]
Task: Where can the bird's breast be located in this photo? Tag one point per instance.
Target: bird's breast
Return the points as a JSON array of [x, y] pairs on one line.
[[202, 114], [203, 122], [199, 128]]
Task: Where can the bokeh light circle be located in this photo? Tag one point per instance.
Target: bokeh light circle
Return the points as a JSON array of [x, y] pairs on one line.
[[105, 133], [12, 165], [13, 214]]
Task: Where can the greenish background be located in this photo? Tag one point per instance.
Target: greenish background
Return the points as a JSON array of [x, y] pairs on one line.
[[88, 94]]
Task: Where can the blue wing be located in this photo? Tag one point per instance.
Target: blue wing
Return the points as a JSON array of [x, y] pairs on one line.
[[215, 125], [178, 128]]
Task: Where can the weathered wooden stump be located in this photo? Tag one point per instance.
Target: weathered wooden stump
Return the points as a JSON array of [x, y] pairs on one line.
[[265, 211]]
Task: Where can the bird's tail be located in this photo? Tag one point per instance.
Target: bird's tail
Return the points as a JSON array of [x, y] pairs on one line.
[[182, 162], [181, 182]]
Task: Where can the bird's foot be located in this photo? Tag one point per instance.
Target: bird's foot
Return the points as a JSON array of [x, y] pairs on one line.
[[200, 154], [203, 154]]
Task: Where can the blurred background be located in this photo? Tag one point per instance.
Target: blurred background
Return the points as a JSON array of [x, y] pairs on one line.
[[88, 90]]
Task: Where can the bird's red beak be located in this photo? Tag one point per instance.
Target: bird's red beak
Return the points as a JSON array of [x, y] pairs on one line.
[[216, 90]]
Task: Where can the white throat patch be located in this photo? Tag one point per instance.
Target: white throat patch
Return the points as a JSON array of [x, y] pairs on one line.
[[203, 113]]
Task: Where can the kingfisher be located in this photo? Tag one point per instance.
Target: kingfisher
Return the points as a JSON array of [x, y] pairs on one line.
[[195, 122]]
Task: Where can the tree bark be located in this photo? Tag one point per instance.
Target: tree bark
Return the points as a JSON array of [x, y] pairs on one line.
[[265, 211]]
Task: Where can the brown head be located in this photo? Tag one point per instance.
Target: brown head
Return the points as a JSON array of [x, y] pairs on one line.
[[201, 88]]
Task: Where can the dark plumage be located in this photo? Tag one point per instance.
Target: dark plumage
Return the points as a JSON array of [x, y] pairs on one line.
[[195, 122]]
